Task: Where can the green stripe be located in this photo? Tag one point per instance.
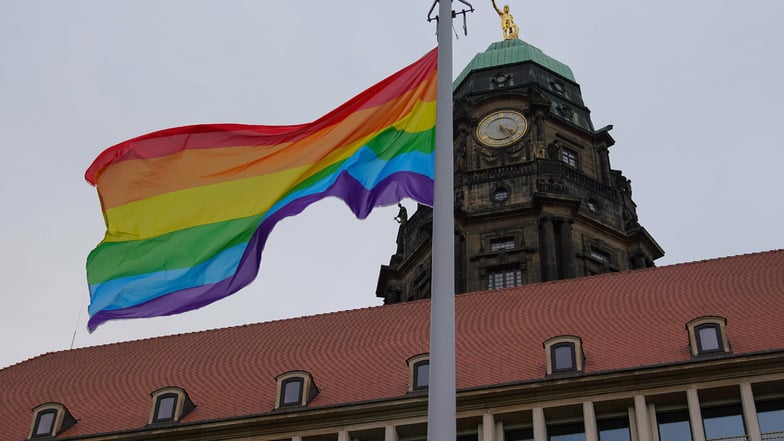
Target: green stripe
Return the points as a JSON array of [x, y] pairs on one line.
[[386, 145], [391, 142], [175, 250]]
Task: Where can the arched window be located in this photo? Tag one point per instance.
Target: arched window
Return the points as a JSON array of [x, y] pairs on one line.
[[169, 405], [564, 354], [418, 372], [295, 388], [563, 357], [49, 420], [708, 336], [291, 391]]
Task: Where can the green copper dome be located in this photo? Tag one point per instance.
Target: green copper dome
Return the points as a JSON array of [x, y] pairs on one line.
[[512, 52]]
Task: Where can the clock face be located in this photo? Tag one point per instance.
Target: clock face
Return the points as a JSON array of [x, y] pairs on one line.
[[501, 128]]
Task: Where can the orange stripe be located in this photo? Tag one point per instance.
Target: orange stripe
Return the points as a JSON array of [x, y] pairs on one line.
[[134, 180]]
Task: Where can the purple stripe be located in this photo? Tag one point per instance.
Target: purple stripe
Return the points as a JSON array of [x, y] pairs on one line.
[[360, 201]]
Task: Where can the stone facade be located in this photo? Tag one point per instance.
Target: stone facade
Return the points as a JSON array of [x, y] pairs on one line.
[[535, 205]]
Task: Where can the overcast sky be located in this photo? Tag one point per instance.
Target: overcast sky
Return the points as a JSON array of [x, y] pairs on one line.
[[693, 88]]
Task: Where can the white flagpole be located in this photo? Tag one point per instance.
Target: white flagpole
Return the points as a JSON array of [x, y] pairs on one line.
[[441, 404]]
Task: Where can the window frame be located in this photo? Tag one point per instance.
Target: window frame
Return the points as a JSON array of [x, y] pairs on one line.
[[284, 391], [37, 423], [578, 357], [308, 388], [415, 363], [419, 381], [156, 417], [500, 244], [504, 272], [61, 420], [570, 157], [572, 356], [719, 325], [182, 404]]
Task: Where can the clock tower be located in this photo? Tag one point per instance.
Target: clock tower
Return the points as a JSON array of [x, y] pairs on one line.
[[536, 199]]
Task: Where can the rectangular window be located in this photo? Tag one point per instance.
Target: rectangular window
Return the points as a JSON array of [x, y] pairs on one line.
[[724, 423], [506, 243], [519, 435], [614, 430], [504, 278], [601, 256], [569, 157], [674, 426], [566, 432], [770, 415]]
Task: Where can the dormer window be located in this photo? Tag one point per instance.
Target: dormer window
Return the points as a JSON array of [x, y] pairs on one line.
[[418, 372], [291, 392], [170, 405], [164, 408], [50, 419], [708, 335], [295, 388], [44, 423], [564, 354]]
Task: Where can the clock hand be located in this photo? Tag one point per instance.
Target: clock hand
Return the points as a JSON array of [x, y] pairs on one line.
[[508, 131]]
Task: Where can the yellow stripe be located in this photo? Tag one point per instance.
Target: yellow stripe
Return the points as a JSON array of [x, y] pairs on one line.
[[186, 208]]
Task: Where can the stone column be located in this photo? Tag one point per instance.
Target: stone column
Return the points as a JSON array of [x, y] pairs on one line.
[[540, 427], [589, 421], [547, 247], [695, 415], [567, 250], [487, 428], [343, 436], [390, 433], [750, 412], [604, 163], [641, 418]]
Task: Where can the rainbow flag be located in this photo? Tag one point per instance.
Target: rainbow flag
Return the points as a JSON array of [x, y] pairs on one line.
[[189, 209]]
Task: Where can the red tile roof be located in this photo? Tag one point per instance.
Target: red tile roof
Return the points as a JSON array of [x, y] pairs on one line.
[[625, 320]]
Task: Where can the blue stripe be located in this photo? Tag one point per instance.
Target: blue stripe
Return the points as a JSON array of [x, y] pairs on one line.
[[134, 290], [366, 168]]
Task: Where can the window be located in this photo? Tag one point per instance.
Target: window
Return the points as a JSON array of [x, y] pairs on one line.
[[564, 354], [500, 194], [674, 426], [770, 415], [600, 255], [566, 432], [723, 422], [507, 243], [504, 278], [49, 420], [291, 392], [569, 157], [44, 423], [418, 372], [170, 405], [708, 336], [614, 430], [563, 357], [422, 374], [295, 388], [519, 435], [164, 408]]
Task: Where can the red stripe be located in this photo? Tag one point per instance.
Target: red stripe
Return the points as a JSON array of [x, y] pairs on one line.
[[169, 141]]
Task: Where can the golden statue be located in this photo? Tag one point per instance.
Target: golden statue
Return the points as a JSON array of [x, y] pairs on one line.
[[508, 25]]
